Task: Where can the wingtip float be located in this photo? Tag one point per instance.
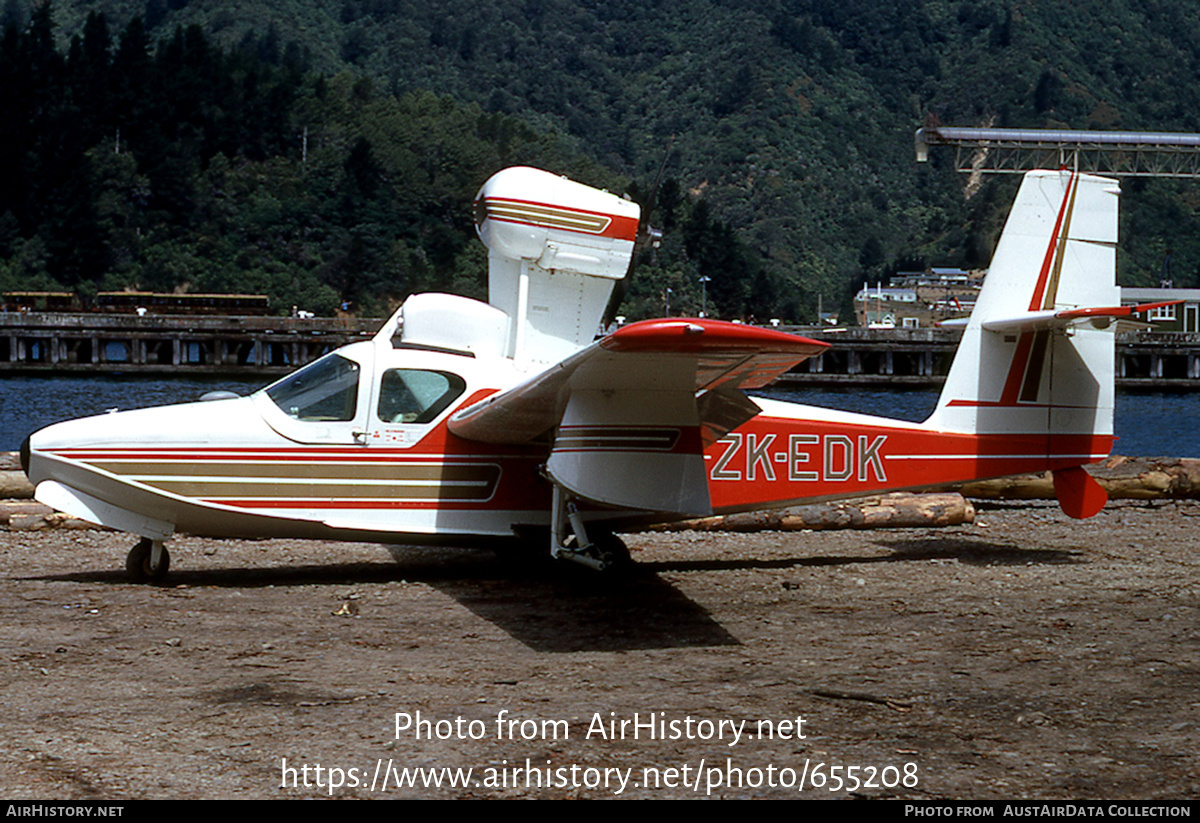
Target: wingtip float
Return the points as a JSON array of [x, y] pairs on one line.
[[463, 421]]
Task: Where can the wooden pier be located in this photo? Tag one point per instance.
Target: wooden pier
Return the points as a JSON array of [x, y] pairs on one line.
[[1146, 361], [33, 342], [876, 357], [47, 342]]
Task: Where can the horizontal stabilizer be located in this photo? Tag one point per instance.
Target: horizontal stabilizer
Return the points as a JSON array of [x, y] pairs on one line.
[[1098, 317]]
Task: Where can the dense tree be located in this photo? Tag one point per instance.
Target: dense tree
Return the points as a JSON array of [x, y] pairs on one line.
[[191, 145], [178, 164]]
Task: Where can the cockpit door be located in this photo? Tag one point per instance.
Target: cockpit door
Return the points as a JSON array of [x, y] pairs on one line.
[[407, 402]]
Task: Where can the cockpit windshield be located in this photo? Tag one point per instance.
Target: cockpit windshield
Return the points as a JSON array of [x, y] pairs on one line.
[[325, 390]]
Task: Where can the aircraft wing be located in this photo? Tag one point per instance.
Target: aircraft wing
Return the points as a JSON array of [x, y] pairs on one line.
[[672, 355], [630, 415]]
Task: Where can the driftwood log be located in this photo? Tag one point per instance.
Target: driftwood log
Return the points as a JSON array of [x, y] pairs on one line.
[[27, 515], [14, 485], [1137, 478], [886, 511]]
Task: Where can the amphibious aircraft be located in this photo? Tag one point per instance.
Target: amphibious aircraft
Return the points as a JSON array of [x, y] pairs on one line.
[[464, 422]]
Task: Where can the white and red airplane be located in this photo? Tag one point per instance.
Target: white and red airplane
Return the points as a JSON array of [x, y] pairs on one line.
[[464, 421]]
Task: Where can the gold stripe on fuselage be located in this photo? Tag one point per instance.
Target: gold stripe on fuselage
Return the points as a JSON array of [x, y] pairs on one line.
[[555, 218], [425, 481]]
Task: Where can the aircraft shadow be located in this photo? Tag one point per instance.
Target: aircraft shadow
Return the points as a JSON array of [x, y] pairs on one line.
[[977, 552], [904, 550], [254, 578], [550, 611], [561, 608], [547, 608]]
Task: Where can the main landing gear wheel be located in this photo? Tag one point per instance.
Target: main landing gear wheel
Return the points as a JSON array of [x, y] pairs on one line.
[[572, 539], [148, 562], [612, 552], [606, 554]]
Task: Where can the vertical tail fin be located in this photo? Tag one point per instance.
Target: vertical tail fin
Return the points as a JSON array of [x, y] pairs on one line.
[[1038, 351], [1030, 361]]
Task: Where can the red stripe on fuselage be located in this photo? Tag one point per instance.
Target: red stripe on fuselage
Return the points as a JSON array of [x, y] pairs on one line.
[[519, 485], [774, 461]]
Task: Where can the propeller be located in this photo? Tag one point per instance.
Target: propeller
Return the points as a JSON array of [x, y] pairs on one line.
[[647, 235]]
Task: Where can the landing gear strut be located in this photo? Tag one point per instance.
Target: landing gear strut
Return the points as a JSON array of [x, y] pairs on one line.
[[594, 547], [148, 561]]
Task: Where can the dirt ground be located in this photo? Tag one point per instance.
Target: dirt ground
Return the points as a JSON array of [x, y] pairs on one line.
[[1024, 656]]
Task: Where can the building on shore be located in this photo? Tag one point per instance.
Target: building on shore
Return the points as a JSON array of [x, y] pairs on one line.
[[921, 299], [1180, 317]]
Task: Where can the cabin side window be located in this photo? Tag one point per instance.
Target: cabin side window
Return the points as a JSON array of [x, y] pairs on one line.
[[324, 391], [416, 395]]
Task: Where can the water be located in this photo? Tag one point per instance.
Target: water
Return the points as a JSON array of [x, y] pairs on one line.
[[1147, 424], [29, 403], [900, 404]]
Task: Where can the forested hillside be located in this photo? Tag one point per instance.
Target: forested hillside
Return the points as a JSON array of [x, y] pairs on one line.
[[326, 151], [183, 165]]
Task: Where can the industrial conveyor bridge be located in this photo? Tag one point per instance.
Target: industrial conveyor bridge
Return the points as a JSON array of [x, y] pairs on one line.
[[1016, 151]]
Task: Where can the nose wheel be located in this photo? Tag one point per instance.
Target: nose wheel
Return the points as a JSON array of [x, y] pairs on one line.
[[148, 561]]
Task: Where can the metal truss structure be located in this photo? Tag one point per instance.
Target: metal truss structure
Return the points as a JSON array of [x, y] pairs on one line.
[[1016, 151]]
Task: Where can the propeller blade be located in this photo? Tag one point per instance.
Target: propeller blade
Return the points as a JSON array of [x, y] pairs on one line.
[[647, 235]]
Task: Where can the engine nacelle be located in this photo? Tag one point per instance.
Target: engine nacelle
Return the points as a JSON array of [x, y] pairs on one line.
[[528, 214], [556, 249]]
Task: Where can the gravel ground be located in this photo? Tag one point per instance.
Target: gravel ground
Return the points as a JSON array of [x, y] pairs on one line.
[[1024, 656]]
